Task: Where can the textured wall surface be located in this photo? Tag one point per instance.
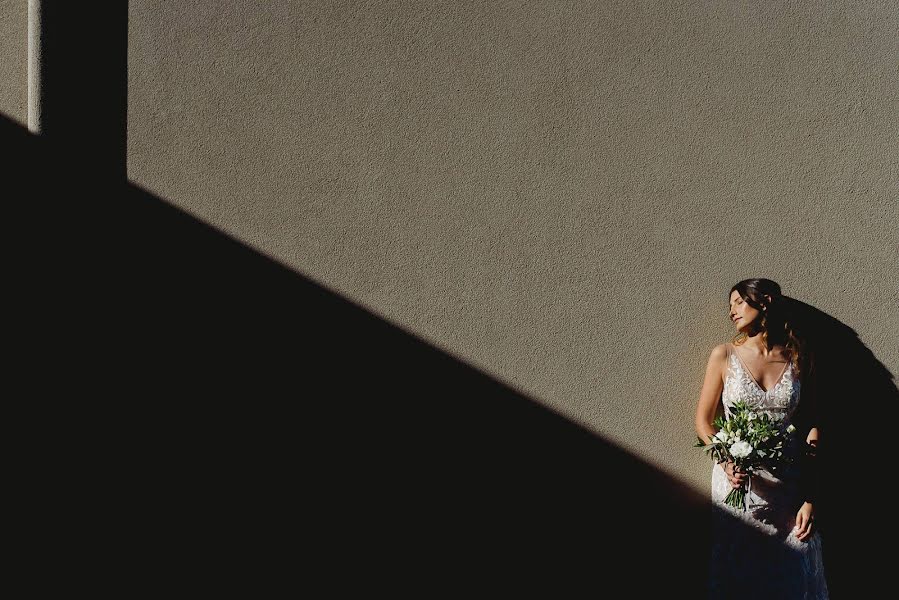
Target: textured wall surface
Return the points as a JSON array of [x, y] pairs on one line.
[[559, 193], [14, 59]]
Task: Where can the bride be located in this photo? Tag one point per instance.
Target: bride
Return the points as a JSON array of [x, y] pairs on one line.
[[773, 547]]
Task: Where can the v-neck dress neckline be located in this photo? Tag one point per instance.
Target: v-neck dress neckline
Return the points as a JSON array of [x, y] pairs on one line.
[[752, 377]]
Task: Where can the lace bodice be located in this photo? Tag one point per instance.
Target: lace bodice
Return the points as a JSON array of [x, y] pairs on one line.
[[779, 402]]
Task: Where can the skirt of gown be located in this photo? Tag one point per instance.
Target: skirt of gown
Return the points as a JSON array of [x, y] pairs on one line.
[[755, 553]]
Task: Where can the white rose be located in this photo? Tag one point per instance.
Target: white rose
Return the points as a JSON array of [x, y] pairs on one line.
[[741, 449], [721, 436]]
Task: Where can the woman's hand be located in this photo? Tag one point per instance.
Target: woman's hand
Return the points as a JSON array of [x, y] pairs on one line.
[[736, 477], [804, 519]]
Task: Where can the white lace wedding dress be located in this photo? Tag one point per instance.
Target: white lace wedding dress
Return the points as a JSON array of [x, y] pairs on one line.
[[755, 553]]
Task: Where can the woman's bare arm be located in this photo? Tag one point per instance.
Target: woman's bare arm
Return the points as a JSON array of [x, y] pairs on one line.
[[707, 406], [710, 394], [806, 514]]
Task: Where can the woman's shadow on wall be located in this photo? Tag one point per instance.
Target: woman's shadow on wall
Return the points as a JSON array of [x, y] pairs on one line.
[[854, 399]]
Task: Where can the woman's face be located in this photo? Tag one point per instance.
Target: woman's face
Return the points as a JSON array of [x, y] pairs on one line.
[[741, 313]]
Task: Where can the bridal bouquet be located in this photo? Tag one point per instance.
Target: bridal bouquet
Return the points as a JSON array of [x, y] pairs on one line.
[[750, 439]]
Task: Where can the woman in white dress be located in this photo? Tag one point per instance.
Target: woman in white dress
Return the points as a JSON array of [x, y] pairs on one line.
[[772, 549]]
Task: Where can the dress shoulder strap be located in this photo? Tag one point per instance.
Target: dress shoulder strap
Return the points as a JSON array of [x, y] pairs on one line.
[[728, 349]]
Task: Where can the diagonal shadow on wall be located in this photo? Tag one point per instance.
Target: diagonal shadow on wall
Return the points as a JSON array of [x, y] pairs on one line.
[[257, 429]]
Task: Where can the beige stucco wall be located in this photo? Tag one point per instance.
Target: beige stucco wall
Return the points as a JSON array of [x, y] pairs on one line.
[[559, 193], [14, 59]]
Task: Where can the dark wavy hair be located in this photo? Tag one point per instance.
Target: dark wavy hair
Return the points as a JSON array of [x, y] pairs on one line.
[[774, 323]]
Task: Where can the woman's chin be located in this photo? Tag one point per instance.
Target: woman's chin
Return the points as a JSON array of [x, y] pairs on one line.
[[743, 326]]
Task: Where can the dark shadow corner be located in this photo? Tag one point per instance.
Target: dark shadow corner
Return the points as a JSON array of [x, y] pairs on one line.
[[235, 419]]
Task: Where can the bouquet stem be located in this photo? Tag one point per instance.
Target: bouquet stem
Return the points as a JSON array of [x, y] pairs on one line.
[[737, 498]]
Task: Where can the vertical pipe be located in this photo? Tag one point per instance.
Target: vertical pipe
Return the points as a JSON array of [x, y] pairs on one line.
[[35, 60]]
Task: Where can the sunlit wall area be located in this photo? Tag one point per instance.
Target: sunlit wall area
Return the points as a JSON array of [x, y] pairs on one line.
[[559, 193], [14, 59]]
